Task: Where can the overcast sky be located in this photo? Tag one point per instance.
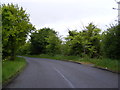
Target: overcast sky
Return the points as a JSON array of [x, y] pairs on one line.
[[72, 14]]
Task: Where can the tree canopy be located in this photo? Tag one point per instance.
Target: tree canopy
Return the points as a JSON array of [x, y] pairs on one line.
[[15, 28], [111, 42], [85, 42], [45, 40]]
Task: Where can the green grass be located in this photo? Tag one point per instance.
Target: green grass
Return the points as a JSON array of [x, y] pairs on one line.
[[109, 64], [11, 68]]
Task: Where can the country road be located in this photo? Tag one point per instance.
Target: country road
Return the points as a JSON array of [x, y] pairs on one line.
[[47, 73]]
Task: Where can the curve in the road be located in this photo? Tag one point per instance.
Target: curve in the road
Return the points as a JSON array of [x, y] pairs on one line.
[[47, 73]]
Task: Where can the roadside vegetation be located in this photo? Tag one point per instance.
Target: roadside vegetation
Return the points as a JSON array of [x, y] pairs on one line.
[[11, 68]]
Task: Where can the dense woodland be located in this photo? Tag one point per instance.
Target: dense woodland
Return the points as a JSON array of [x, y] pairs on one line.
[[90, 42]]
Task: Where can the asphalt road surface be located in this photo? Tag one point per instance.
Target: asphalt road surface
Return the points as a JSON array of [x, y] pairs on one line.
[[47, 73]]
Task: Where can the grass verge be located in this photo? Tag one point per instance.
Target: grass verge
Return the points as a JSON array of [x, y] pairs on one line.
[[11, 68], [108, 64]]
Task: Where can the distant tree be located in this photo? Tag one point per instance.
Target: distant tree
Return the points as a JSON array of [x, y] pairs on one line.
[[24, 49], [91, 40], [44, 41], [85, 42], [111, 42], [54, 44], [15, 28], [73, 44]]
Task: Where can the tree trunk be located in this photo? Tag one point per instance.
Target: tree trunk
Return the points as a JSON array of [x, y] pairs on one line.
[[12, 47]]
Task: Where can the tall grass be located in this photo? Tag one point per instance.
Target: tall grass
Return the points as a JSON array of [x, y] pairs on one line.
[[10, 68]]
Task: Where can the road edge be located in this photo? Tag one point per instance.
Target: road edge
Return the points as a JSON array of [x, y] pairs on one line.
[[92, 65]]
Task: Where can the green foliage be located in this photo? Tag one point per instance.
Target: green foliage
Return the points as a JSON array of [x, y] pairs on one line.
[[111, 42], [86, 42], [92, 35], [45, 40], [24, 49], [15, 28], [54, 44]]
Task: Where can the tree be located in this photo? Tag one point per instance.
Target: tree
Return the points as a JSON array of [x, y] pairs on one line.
[[44, 41], [73, 44], [92, 40], [85, 42], [54, 44], [15, 26], [111, 42]]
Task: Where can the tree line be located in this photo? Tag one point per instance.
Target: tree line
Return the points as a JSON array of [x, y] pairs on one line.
[[89, 42]]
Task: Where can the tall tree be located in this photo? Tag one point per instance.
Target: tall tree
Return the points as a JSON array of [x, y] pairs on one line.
[[15, 28]]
